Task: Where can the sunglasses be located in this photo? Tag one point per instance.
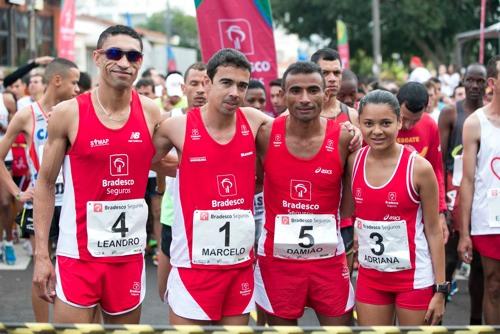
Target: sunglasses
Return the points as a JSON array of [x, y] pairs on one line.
[[117, 54]]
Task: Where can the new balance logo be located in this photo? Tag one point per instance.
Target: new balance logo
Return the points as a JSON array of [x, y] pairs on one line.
[[135, 137]]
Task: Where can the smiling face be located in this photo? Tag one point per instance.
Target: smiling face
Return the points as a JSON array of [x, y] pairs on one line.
[[227, 90], [304, 94], [379, 125], [121, 73]]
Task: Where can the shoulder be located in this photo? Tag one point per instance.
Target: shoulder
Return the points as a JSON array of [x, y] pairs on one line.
[[472, 123], [422, 167], [449, 109], [255, 116], [65, 111]]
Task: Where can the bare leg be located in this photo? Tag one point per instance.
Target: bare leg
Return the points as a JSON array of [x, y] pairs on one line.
[[132, 317], [491, 299], [175, 319], [164, 268], [5, 213], [476, 290], [277, 321], [64, 313], [375, 315], [261, 316], [410, 317], [236, 320], [343, 320]]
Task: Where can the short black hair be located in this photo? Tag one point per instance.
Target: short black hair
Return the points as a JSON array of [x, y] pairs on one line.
[[118, 30], [59, 66], [414, 95], [491, 67], [302, 67], [326, 54], [198, 66], [147, 72], [85, 82], [145, 83], [256, 84], [435, 80], [380, 96], [348, 75], [227, 57], [275, 82]]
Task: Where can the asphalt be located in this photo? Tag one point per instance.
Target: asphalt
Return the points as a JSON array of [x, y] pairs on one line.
[[15, 301]]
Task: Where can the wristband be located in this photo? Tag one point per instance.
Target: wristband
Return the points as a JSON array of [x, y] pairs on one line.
[[18, 196]]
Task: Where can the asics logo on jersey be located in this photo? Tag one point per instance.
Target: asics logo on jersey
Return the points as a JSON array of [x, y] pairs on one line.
[[300, 190], [320, 170], [226, 185], [389, 217], [99, 142], [118, 164]]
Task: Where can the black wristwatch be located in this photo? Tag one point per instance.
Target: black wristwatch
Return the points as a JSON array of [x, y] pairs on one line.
[[443, 288]]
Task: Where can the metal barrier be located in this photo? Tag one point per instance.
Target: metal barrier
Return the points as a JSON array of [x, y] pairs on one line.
[[40, 328]]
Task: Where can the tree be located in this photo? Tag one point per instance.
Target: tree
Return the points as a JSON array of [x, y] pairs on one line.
[[181, 25], [408, 27]]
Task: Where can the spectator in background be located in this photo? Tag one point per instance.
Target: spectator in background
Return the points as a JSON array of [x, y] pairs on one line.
[[432, 108], [348, 89], [175, 95], [256, 96], [146, 87], [18, 87], [36, 86], [418, 72], [277, 100], [85, 82], [459, 93]]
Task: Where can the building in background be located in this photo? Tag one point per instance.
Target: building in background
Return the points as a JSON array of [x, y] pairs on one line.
[[15, 16]]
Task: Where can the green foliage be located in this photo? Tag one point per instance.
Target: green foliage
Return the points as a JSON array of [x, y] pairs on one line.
[[425, 28], [181, 25]]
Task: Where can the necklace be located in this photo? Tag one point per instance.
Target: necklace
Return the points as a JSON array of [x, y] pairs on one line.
[[107, 113]]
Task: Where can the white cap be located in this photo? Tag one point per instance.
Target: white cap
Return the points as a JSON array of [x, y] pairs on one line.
[[173, 83], [420, 74]]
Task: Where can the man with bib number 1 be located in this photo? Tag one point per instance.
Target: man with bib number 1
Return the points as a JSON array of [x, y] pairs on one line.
[[103, 139], [480, 191], [302, 260], [211, 281], [394, 190]]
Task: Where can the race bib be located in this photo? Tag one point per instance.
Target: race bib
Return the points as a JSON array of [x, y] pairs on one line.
[[383, 245], [458, 163], [305, 236], [493, 198], [222, 237], [116, 228]]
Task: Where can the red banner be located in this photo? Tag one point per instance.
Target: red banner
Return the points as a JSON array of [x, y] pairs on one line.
[[245, 25], [66, 36]]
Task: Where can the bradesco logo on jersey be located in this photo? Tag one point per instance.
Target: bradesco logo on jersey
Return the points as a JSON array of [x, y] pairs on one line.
[[300, 190], [118, 168], [227, 187]]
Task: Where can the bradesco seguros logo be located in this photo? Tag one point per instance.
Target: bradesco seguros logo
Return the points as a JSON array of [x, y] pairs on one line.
[[118, 164], [227, 185], [236, 34], [300, 190]]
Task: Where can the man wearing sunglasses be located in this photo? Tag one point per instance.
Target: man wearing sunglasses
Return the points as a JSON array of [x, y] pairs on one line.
[[103, 138]]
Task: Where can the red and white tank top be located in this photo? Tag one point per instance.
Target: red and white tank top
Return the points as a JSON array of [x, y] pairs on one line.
[[393, 251], [302, 198], [104, 214], [35, 151], [485, 215], [213, 222]]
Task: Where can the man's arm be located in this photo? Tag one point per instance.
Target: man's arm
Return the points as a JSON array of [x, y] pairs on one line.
[[445, 124], [10, 104], [471, 137], [43, 203], [20, 123], [25, 69], [353, 116], [435, 158]]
